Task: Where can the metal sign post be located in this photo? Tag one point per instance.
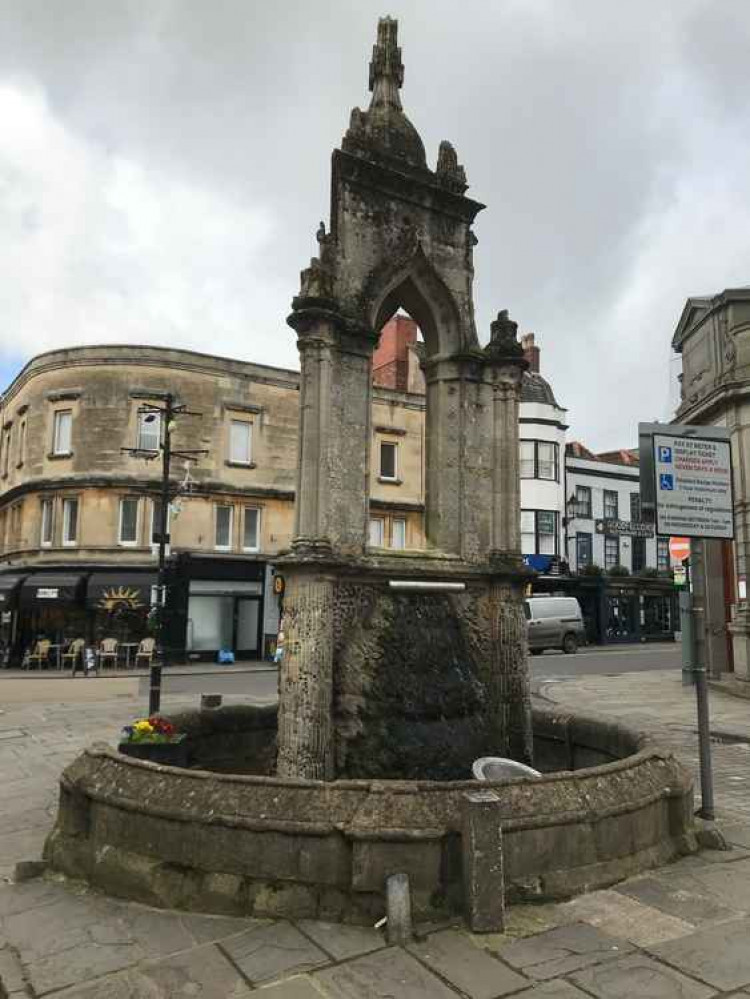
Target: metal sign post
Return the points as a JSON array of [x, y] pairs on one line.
[[686, 487]]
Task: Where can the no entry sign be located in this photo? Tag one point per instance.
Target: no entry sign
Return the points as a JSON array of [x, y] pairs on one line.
[[679, 549], [693, 482]]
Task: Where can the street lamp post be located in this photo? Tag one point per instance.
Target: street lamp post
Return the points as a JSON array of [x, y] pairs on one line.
[[167, 417]]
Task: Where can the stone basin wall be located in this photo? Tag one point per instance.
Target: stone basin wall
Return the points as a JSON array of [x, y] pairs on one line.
[[267, 846]]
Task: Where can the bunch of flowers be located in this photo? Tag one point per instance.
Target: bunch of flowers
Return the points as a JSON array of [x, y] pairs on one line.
[[153, 729]]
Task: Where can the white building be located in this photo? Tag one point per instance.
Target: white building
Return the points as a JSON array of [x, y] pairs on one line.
[[605, 527], [542, 466]]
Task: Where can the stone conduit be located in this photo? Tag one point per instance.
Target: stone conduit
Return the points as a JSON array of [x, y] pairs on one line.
[[267, 846]]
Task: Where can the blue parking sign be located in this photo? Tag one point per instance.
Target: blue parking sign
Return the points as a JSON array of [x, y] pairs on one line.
[[665, 456], [666, 481]]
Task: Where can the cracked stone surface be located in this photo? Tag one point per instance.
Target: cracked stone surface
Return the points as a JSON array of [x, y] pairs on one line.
[[562, 950], [473, 970], [719, 955], [384, 975], [263, 953], [639, 976]]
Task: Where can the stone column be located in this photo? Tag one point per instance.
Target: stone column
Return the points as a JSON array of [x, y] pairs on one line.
[[458, 456], [305, 733], [334, 440], [506, 493]]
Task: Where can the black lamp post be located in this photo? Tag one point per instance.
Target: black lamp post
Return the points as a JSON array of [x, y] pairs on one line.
[[167, 416]]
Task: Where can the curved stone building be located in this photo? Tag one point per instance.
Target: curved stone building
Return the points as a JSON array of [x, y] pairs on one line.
[[78, 507]]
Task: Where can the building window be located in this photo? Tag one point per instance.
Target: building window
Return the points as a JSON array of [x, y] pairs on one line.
[[539, 532], [149, 431], [21, 443], [45, 537], [61, 432], [662, 554], [398, 533], [583, 502], [528, 463], [611, 550], [376, 532], [584, 550], [251, 529], [546, 532], [240, 442], [223, 537], [70, 521], [635, 508], [547, 460], [539, 460], [610, 505], [639, 549], [388, 461], [528, 532], [128, 531], [6, 451]]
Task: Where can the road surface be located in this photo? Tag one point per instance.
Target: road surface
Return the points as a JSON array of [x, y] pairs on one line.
[[609, 659]]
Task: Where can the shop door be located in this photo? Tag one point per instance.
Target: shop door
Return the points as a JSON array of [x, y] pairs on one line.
[[247, 627]]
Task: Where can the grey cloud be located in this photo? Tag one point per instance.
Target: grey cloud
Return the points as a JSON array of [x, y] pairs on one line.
[[575, 119]]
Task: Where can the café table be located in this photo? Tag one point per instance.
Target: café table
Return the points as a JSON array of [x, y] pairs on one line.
[[128, 646]]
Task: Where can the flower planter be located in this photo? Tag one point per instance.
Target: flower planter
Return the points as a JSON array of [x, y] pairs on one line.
[[170, 754]]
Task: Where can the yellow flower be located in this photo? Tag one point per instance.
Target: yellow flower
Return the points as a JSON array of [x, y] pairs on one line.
[[144, 726]]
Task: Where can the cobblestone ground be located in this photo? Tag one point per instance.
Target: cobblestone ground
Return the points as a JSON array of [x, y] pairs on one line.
[[681, 931]]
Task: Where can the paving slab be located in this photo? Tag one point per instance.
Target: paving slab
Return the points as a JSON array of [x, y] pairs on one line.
[[292, 988], [686, 904], [557, 989], [562, 950], [719, 955], [641, 976], [11, 973], [725, 884], [203, 972], [342, 941], [625, 917], [271, 951], [736, 833], [454, 956], [386, 974]]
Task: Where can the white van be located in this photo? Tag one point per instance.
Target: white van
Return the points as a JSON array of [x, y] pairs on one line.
[[554, 623]]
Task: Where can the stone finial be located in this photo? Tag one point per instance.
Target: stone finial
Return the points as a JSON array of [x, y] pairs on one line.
[[386, 68], [504, 337], [449, 171]]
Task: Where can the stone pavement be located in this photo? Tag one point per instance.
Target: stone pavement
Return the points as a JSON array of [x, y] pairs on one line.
[[681, 931]]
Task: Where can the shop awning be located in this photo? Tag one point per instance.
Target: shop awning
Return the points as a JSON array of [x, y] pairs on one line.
[[120, 591], [44, 589], [9, 587]]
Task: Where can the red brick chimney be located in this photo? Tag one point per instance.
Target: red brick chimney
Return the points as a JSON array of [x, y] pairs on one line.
[[390, 362], [530, 351]]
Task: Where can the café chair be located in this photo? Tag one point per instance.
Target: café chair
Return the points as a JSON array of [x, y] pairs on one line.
[[40, 655], [108, 650]]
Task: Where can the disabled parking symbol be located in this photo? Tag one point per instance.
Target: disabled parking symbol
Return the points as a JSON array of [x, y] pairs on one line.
[[666, 481]]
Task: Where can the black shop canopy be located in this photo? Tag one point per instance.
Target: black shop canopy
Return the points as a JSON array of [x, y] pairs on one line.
[[9, 587], [46, 588], [114, 592]]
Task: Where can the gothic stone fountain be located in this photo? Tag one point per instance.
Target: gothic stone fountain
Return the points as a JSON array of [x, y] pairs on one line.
[[400, 668]]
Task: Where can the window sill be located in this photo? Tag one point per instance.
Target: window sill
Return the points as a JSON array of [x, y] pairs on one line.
[[390, 482], [240, 464], [59, 455], [251, 551]]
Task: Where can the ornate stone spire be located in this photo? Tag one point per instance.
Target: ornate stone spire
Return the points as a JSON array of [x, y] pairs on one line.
[[504, 343], [384, 130], [386, 68]]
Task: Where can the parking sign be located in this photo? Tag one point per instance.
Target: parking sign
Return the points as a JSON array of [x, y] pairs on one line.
[[693, 477]]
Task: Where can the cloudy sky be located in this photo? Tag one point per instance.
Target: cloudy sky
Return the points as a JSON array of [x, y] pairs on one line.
[[164, 165]]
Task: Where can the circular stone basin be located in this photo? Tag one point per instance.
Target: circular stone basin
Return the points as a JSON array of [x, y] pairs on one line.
[[250, 843]]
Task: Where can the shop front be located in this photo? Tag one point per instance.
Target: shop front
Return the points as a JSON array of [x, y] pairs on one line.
[[118, 606], [10, 588], [51, 608], [217, 605]]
